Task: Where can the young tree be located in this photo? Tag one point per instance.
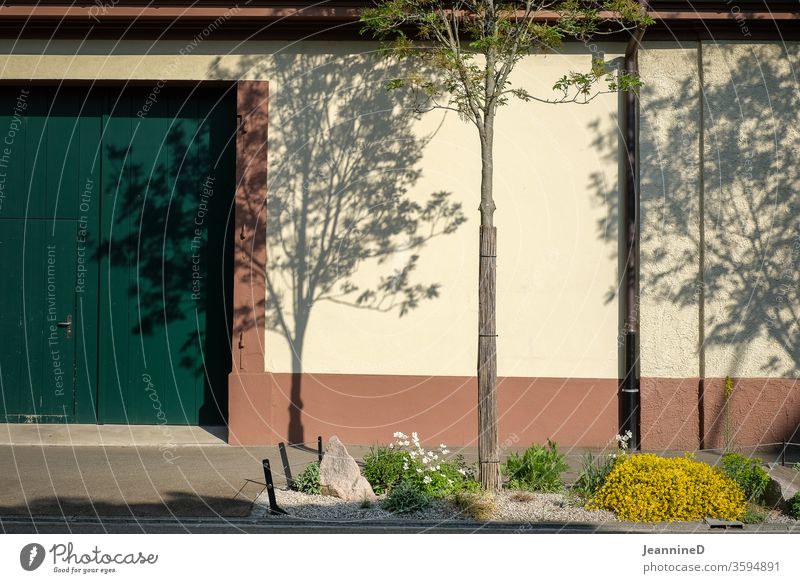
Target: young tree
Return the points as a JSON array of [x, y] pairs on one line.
[[464, 52]]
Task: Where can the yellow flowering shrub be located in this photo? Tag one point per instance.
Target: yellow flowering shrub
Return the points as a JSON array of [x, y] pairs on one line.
[[650, 488]]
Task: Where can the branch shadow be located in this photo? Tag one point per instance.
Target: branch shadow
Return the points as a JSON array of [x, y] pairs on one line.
[[343, 225], [732, 253], [166, 250]]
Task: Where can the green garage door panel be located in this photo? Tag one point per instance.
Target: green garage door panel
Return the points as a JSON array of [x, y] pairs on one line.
[[37, 358], [48, 163], [129, 202], [167, 179]]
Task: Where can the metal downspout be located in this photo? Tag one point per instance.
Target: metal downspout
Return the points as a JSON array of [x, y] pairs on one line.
[[629, 395]]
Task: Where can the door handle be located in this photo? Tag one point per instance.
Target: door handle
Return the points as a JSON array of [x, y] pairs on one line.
[[67, 324]]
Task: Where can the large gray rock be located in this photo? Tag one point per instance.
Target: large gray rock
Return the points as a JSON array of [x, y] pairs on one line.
[[340, 476], [783, 484]]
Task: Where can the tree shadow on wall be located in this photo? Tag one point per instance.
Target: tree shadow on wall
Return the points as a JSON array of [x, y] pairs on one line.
[[740, 270], [343, 164], [166, 251]]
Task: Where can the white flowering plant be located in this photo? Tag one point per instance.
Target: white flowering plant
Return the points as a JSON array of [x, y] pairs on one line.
[[432, 471]]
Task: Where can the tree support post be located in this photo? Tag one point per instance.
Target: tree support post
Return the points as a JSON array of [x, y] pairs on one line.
[[488, 444]]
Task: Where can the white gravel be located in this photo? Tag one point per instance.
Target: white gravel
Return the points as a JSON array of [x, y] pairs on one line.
[[510, 507], [541, 507]]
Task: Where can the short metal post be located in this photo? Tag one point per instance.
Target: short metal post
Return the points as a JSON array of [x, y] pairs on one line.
[[319, 448], [273, 504], [783, 453], [287, 470]]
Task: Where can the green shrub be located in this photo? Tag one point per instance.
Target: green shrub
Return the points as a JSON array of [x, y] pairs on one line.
[[755, 514], [594, 473], [405, 460], [649, 488], [794, 506], [748, 473], [308, 481], [538, 469], [383, 468], [406, 497]]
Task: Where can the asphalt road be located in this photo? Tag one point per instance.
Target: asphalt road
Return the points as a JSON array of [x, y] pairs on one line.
[[116, 525]]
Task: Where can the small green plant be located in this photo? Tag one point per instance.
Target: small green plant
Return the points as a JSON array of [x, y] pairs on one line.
[[383, 468], [727, 428], [796, 467], [366, 503], [475, 505], [433, 471], [794, 506], [748, 473], [755, 514], [405, 498], [539, 469], [595, 470], [308, 481]]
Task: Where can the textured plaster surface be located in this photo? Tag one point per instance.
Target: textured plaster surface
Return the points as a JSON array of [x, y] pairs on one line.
[[759, 412], [670, 418], [752, 202], [670, 183]]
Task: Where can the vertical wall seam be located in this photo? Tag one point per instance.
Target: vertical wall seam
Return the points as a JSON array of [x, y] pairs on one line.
[[701, 243]]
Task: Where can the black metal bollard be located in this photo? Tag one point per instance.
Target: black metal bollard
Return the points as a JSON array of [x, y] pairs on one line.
[[273, 504], [319, 448]]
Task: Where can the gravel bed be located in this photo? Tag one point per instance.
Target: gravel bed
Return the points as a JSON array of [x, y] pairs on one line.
[[510, 507], [776, 517], [323, 508], [541, 507]]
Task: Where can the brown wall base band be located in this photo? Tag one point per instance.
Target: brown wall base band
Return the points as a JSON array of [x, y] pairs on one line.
[[760, 411], [368, 409]]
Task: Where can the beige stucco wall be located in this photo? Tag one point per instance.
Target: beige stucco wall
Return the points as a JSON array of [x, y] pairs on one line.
[[752, 187], [557, 268], [749, 190], [670, 183]]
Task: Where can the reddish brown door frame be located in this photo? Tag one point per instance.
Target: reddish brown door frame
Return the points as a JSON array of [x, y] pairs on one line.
[[249, 286], [249, 391]]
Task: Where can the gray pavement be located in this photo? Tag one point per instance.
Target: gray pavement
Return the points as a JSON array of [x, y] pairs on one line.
[[274, 525], [195, 484], [172, 481]]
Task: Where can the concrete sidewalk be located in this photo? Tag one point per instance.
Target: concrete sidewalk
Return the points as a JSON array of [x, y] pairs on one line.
[[129, 481], [127, 473], [117, 471]]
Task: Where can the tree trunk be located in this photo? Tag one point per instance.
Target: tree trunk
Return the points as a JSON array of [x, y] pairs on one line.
[[488, 443], [296, 434]]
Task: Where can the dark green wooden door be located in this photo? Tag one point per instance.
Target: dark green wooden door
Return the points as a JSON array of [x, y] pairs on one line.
[[131, 196], [38, 319], [48, 163]]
